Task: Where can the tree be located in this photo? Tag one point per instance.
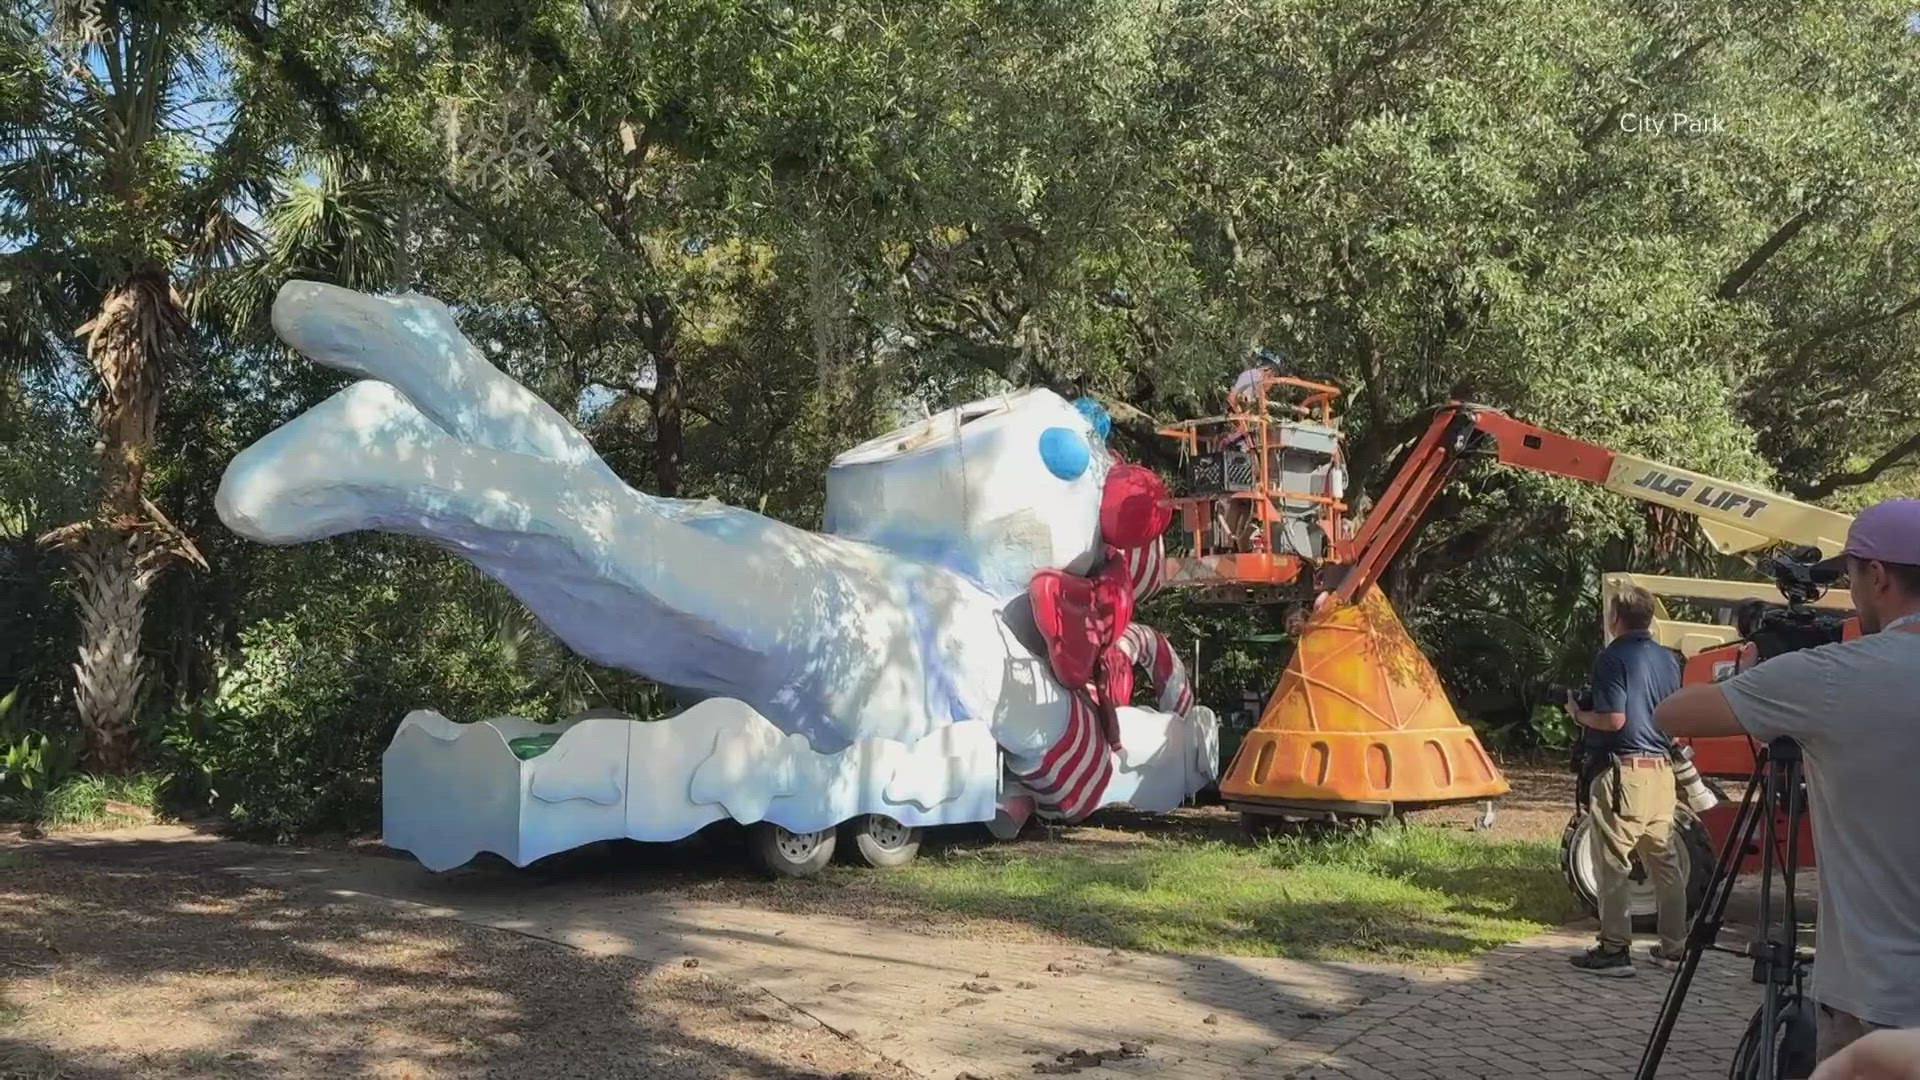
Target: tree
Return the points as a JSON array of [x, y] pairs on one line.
[[585, 153], [96, 179], [1420, 202], [730, 236]]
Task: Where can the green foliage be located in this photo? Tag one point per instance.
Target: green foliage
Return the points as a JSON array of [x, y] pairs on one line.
[[732, 238], [1552, 728], [83, 801], [44, 483], [32, 764], [290, 737]]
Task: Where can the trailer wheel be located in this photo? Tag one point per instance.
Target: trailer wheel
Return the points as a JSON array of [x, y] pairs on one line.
[[1578, 866], [883, 843], [792, 854]]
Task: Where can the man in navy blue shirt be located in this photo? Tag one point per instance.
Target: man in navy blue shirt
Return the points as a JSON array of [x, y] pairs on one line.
[[1632, 794]]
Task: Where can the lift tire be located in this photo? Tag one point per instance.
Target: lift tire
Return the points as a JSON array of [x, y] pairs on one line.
[[1697, 857], [881, 842], [791, 854]]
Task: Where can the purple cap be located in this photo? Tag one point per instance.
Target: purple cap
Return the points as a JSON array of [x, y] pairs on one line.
[[1884, 532]]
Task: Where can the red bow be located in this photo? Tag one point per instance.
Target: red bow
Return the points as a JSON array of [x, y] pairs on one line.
[[1082, 619]]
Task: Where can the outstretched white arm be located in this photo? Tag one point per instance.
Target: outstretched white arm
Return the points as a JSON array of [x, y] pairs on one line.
[[412, 343], [829, 637]]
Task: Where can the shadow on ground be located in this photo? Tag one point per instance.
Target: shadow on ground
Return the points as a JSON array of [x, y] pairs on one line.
[[1113, 882], [130, 956], [230, 960], [132, 962]]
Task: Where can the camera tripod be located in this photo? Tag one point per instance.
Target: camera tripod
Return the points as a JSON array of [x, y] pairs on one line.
[[1779, 1040]]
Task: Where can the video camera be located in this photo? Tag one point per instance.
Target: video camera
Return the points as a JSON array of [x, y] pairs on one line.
[[1801, 580]]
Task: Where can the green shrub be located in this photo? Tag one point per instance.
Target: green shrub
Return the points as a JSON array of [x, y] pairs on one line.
[[32, 763], [290, 739], [82, 801]]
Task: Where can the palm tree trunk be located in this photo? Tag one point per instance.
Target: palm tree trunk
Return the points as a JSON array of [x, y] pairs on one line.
[[109, 672], [120, 553]]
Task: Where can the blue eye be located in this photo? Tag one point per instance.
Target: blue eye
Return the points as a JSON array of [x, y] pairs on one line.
[[1065, 452]]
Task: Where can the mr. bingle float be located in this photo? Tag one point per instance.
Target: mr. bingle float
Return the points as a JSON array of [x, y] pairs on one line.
[[956, 646]]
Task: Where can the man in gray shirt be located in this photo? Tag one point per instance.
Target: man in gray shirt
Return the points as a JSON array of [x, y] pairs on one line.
[[1854, 708]]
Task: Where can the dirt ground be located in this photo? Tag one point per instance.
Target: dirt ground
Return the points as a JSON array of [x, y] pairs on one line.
[[118, 970], [111, 969], [1536, 807]]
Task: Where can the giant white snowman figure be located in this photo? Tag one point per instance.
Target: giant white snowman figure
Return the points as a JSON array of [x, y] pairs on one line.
[[884, 675]]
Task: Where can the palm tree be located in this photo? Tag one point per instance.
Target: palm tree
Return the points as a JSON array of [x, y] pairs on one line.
[[123, 167]]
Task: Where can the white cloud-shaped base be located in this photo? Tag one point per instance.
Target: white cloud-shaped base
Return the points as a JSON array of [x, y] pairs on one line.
[[453, 790]]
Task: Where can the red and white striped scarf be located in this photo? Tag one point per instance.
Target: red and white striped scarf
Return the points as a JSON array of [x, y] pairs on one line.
[[1073, 774]]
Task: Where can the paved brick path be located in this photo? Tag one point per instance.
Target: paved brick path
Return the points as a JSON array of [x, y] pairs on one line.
[[1522, 1011], [949, 1008]]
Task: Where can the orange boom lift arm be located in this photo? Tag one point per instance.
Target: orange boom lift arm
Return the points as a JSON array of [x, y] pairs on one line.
[[1735, 516], [1457, 430]]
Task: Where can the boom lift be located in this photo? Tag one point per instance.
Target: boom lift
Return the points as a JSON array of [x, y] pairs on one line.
[[1359, 724]]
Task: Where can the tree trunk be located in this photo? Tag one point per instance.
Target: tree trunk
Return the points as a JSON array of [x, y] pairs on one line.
[[669, 426], [109, 672], [669, 397], [120, 552]]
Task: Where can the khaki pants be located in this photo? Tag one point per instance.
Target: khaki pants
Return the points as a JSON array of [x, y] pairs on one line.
[[1643, 824], [1834, 1029]]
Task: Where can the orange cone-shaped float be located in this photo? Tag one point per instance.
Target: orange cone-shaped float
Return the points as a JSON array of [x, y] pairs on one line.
[[1359, 718]]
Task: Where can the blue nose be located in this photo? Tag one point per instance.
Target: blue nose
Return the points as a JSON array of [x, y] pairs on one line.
[[1065, 452]]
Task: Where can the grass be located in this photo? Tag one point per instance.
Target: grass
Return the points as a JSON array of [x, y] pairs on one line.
[[81, 802], [1396, 892]]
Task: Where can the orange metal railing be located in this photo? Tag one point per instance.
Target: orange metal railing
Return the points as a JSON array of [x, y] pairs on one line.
[[1253, 424]]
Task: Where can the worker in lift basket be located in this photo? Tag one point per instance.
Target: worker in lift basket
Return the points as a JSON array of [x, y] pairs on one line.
[[1243, 400], [1854, 708], [1263, 364], [1630, 785]]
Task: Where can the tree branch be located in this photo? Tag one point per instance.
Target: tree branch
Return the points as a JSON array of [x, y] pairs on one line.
[[1899, 454], [1731, 285], [1421, 570], [1592, 135], [1847, 326], [1429, 19], [632, 388]]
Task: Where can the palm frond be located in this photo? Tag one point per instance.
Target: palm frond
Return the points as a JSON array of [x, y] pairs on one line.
[[43, 293], [337, 224], [224, 240]]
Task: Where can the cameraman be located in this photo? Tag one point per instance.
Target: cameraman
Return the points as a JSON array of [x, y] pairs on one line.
[[1629, 784], [1854, 708]]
